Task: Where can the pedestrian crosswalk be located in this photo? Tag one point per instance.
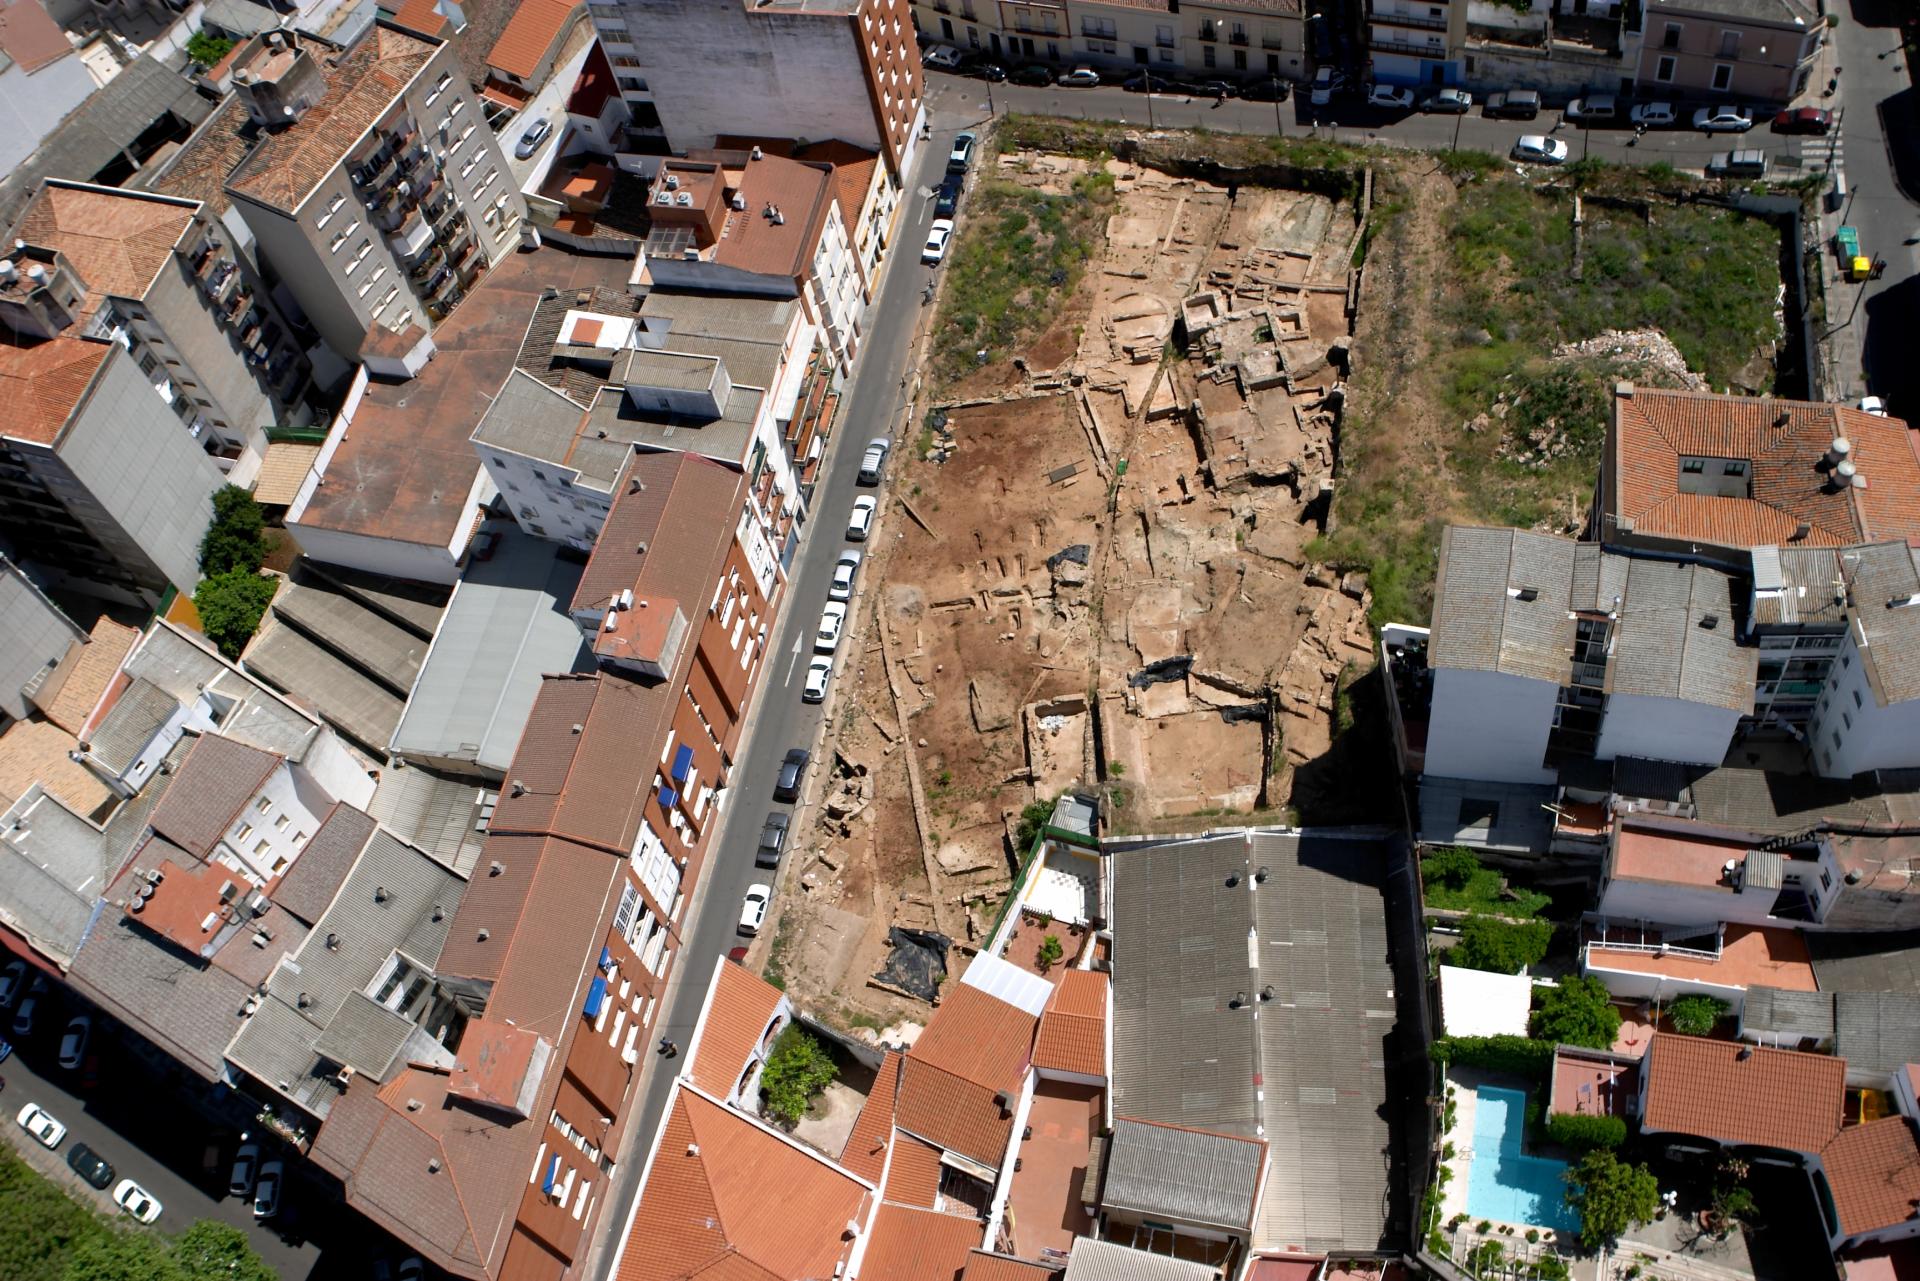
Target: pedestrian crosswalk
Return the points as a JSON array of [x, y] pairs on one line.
[[1818, 154]]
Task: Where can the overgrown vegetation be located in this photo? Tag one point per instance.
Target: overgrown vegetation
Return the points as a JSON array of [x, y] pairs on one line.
[[798, 1069], [207, 50], [1455, 879], [1033, 819], [1583, 1130], [45, 1235], [1696, 1014], [1516, 1054], [1577, 1011], [1503, 947], [1611, 1196]]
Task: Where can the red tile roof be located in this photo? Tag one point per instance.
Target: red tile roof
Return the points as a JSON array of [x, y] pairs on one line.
[[740, 1005], [85, 674], [208, 792], [853, 167], [730, 1200], [1073, 1030], [116, 240], [1736, 1093], [693, 487], [1874, 1172], [423, 16], [913, 1176], [919, 1245], [754, 242], [530, 33], [962, 1077], [42, 385], [865, 1152], [1782, 441]]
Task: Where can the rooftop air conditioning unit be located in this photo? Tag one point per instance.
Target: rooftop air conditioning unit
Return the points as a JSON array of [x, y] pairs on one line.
[[684, 199]]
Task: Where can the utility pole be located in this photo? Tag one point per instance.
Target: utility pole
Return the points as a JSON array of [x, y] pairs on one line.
[[1277, 130], [1150, 124], [1458, 116]]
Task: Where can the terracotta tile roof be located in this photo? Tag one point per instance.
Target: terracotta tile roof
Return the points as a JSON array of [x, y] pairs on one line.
[[36, 751], [30, 36], [1874, 1172], [118, 241], [739, 1007], [913, 1177], [865, 1153], [423, 16], [209, 790], [919, 1245], [1736, 1093], [705, 1208], [982, 1266], [86, 672], [1073, 1031], [532, 30], [655, 481], [42, 385], [200, 169], [972, 1055], [853, 166], [959, 1115], [1782, 441], [362, 84]]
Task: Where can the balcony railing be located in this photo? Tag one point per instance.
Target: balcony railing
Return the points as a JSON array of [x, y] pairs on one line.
[[1208, 31], [1271, 42], [1407, 20], [1239, 38], [1380, 45]]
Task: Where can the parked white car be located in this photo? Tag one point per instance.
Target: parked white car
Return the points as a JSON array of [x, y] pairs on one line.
[[860, 524], [1723, 119], [1872, 405], [1325, 81], [137, 1201], [935, 250], [941, 57], [1536, 148], [833, 621], [536, 133], [1390, 97], [819, 676], [753, 913], [845, 570], [38, 1122], [246, 1162], [1654, 115]]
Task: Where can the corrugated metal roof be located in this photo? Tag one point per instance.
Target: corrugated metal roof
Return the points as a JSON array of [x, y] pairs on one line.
[[1170, 1172], [1771, 1012], [1876, 1032], [1104, 1261], [130, 724]]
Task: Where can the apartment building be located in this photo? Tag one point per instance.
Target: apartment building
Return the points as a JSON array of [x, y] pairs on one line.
[[1748, 50], [103, 487], [42, 79], [604, 376], [1237, 40], [159, 278], [375, 190], [840, 69]]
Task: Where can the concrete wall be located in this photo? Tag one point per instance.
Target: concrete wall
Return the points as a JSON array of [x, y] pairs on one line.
[[32, 104], [145, 475], [1634, 985], [1665, 729], [34, 635], [242, 407], [1558, 77], [1490, 726], [571, 513], [1668, 904], [1775, 75], [1851, 732]]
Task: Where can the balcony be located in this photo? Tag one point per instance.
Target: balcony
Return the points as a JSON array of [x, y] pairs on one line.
[[1209, 32], [1381, 45], [1388, 16], [1239, 38], [1271, 42]]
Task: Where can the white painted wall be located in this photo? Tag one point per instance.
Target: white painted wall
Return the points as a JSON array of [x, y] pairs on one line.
[[1665, 729], [273, 827], [1851, 732], [1635, 985], [1490, 726], [1626, 900]]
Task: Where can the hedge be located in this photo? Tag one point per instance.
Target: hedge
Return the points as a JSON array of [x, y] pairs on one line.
[[1507, 1053], [1583, 1131]]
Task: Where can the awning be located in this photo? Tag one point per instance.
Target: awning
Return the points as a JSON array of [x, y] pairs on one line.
[[667, 797], [596, 997], [606, 958], [553, 1176], [682, 763]]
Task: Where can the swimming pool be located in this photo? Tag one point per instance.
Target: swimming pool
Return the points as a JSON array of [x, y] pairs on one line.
[[1504, 1184]]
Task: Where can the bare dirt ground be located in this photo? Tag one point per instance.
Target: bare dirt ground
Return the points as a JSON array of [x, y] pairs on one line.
[[1092, 575]]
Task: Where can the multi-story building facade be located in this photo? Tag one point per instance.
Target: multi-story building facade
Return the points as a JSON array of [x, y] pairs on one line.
[[844, 69], [1747, 50], [1246, 41], [160, 279], [374, 187]]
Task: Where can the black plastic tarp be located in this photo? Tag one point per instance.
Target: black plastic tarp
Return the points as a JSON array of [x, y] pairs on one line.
[[917, 963]]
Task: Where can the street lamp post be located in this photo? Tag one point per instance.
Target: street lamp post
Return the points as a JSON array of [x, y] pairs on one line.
[[1277, 130], [1150, 124], [1458, 116]]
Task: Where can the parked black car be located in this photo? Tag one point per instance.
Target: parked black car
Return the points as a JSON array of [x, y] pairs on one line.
[[983, 67], [787, 786], [1516, 104], [773, 840], [1031, 74], [89, 1165], [947, 199], [1271, 89]]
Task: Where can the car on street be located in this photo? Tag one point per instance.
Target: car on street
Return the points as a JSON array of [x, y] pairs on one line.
[[246, 1163], [266, 1189], [1146, 82], [137, 1201], [941, 57], [1745, 162], [1723, 119], [1208, 87], [786, 785], [819, 676], [1269, 89], [36, 1121], [935, 250], [1031, 74], [1654, 115], [962, 153], [738, 954], [753, 912], [1514, 104], [845, 570], [73, 1046], [946, 201], [983, 68], [1814, 120], [10, 980], [29, 1007], [1326, 81], [860, 524], [1449, 102], [1595, 109], [1080, 78], [833, 621], [1539, 149], [530, 140], [874, 459], [89, 1165], [773, 839], [1872, 405], [1390, 97]]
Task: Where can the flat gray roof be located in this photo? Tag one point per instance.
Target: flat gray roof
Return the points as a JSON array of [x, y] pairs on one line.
[[1302, 951], [1789, 1016], [1093, 1260], [1876, 1032], [506, 626], [1460, 811], [1880, 962], [1168, 1172]]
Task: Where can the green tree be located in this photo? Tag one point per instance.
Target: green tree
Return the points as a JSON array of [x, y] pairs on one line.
[[231, 604], [236, 536], [1696, 1013], [207, 49], [119, 1255], [1033, 817], [1610, 1196], [212, 1251], [1504, 947], [1453, 867], [1580, 1011], [1050, 952], [798, 1069], [39, 1224], [1583, 1130]]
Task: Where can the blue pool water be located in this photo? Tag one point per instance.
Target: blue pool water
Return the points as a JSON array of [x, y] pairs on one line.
[[1505, 1184]]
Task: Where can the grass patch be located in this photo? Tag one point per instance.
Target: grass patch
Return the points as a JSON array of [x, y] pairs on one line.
[[1454, 879], [1021, 252]]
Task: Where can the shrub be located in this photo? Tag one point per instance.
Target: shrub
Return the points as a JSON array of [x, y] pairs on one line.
[[1610, 1196], [1696, 1014], [230, 605], [235, 536], [208, 49], [1033, 818], [1452, 867], [1582, 1131], [1515, 1054], [1503, 947], [1050, 952], [798, 1069], [1579, 1011]]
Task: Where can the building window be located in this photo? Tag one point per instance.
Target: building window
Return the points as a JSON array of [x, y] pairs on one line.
[[282, 823], [1663, 70], [263, 805], [1239, 59], [1846, 719], [439, 87], [1729, 44], [333, 207], [1672, 38], [1856, 698], [1836, 740], [261, 846], [246, 830], [1207, 56], [623, 916], [1722, 76], [1736, 467]]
